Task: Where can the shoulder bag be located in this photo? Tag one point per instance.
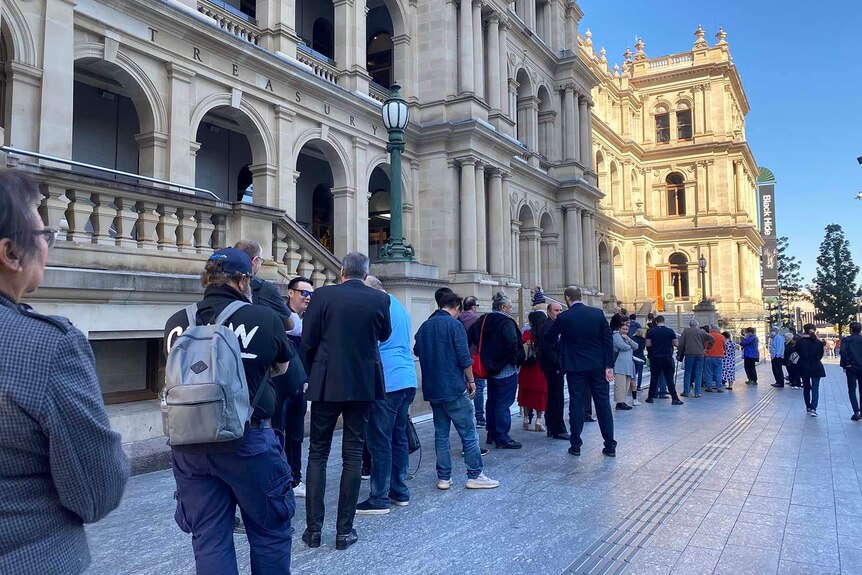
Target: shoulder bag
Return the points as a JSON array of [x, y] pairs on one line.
[[478, 367]]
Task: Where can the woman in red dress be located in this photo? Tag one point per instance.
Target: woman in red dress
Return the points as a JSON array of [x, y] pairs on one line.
[[532, 388]]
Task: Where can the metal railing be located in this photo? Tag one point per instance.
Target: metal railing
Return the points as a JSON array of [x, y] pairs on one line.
[[29, 154]]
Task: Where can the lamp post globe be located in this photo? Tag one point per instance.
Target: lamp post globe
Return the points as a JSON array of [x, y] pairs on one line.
[[396, 116], [701, 262]]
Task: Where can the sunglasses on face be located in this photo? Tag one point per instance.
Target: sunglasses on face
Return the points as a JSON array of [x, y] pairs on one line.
[[50, 235], [305, 292]]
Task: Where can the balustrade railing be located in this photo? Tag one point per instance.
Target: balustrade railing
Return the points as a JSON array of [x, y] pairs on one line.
[[237, 23], [299, 254], [378, 92], [320, 64]]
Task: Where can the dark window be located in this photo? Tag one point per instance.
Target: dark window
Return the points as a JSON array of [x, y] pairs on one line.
[[322, 38], [662, 128], [683, 125], [675, 195], [679, 275], [379, 55]]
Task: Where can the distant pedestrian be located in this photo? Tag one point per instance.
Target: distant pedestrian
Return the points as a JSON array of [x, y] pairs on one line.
[[634, 324], [728, 364], [810, 349], [791, 360], [692, 349], [713, 382], [851, 361], [624, 368], [776, 354], [532, 387], [639, 356], [468, 317], [448, 385], [661, 340], [549, 361], [750, 354]]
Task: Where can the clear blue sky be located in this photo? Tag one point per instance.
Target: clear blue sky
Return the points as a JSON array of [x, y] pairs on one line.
[[801, 66]]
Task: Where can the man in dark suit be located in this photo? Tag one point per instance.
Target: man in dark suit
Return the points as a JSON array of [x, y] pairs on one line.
[[341, 330], [586, 351]]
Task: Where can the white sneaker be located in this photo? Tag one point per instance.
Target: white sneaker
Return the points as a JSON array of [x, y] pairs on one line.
[[444, 484], [482, 482], [299, 490], [813, 413], [636, 402]]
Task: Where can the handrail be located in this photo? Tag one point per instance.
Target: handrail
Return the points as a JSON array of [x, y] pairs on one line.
[[28, 153], [301, 232]]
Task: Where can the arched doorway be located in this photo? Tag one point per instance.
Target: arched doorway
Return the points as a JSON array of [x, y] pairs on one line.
[[379, 216], [679, 275], [605, 284], [223, 161], [315, 24], [314, 201], [380, 60]]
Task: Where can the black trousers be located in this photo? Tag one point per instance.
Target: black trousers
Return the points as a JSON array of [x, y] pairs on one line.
[[590, 383], [750, 365], [778, 370], [289, 418], [661, 366], [554, 413], [324, 415]]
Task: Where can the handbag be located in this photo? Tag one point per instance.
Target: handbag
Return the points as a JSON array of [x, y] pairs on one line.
[[413, 444], [479, 367]]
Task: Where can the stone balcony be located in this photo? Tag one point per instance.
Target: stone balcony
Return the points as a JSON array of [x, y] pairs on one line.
[[228, 18]]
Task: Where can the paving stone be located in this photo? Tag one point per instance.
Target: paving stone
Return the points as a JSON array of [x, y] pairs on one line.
[[817, 550], [747, 561], [767, 537], [766, 505], [795, 568]]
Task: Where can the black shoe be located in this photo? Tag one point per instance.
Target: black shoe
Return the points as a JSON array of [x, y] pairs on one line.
[[708, 390], [663, 395], [623, 407], [777, 385], [576, 451], [609, 452], [589, 419], [342, 542], [311, 538], [677, 402], [366, 508], [856, 416], [490, 441], [510, 445], [648, 400], [565, 436]]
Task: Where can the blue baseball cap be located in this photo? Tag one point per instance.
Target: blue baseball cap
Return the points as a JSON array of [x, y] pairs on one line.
[[232, 261]]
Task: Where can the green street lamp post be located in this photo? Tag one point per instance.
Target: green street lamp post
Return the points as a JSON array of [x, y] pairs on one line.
[[395, 118], [702, 264]]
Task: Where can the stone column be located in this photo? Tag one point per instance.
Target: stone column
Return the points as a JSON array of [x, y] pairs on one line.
[[570, 117], [481, 215], [180, 156], [494, 86], [503, 82], [465, 48], [344, 221], [285, 129], [532, 250], [478, 51], [58, 79], [739, 195], [277, 19], [350, 20], [707, 108], [515, 244], [152, 154], [697, 112], [495, 223], [468, 215], [533, 123], [530, 15], [450, 34], [589, 246], [506, 226], [584, 128], [574, 244]]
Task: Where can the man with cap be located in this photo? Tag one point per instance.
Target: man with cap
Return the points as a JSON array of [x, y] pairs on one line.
[[212, 478]]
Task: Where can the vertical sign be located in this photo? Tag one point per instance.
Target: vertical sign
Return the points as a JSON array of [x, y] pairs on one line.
[[769, 261]]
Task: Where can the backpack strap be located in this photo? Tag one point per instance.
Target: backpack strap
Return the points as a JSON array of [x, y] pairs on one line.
[[227, 312], [191, 314], [481, 333]]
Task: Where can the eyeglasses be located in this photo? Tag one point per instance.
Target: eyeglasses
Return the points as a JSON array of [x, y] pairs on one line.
[[306, 293], [50, 235]]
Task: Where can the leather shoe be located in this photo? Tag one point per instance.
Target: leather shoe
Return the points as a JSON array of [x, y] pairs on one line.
[[609, 452], [311, 538], [342, 542], [576, 451], [510, 445], [676, 402], [649, 400], [565, 436], [589, 419]]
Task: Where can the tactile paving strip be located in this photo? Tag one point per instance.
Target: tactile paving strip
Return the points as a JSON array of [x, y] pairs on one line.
[[613, 553]]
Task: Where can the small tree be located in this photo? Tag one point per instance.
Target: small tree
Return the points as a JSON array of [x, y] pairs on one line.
[[789, 279], [835, 284]]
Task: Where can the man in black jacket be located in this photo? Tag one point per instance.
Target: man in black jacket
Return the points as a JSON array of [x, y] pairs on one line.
[[549, 361], [586, 349], [340, 333], [851, 361], [501, 352]]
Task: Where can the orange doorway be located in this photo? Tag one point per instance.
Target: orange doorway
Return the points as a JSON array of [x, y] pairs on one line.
[[654, 287]]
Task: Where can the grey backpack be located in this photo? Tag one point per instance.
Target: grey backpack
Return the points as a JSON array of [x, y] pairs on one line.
[[205, 399]]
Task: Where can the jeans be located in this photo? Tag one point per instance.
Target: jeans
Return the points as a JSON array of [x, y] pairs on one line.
[[479, 400], [209, 487], [778, 370], [661, 369], [639, 373], [458, 412], [501, 396], [854, 380], [811, 391], [324, 415], [713, 373], [554, 415], [386, 436], [693, 373], [586, 383], [750, 364]]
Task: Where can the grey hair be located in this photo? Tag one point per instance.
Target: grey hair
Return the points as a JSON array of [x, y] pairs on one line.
[[573, 293], [713, 327], [355, 266], [250, 247], [693, 323], [374, 282], [500, 301]]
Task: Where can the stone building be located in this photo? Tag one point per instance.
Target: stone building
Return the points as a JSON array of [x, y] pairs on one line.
[[678, 178]]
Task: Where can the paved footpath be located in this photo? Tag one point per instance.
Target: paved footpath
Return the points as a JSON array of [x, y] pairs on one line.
[[736, 483]]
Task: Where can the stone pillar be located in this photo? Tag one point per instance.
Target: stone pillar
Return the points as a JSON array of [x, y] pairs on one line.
[[180, 156], [152, 154], [589, 247], [350, 58], [697, 113], [530, 14], [344, 221], [58, 79], [531, 238], [503, 83], [515, 244], [494, 85], [506, 226], [468, 215], [495, 223], [481, 215], [533, 125], [465, 48], [585, 125], [570, 117], [478, 51], [450, 34], [277, 19], [285, 129], [739, 195], [574, 244], [707, 108]]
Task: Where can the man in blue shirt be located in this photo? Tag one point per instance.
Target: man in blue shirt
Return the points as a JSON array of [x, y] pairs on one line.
[[776, 352], [386, 432], [448, 384], [661, 340]]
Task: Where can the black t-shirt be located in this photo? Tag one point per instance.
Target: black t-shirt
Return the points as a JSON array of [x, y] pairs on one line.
[[261, 338], [661, 341]]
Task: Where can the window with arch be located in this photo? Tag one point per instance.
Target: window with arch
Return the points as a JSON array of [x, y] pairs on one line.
[[322, 37], [683, 121], [662, 125], [679, 275], [379, 54], [675, 195]]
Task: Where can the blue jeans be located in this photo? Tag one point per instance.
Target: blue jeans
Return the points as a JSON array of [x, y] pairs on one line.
[[479, 400], [811, 391], [713, 373], [693, 373], [639, 372], [458, 412], [386, 437], [209, 487], [501, 396]]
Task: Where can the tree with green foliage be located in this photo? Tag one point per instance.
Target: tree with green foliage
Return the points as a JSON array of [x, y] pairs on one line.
[[835, 284], [789, 281]]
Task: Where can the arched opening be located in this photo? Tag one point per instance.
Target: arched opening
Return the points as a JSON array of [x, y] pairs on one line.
[[224, 159], [615, 201], [379, 216], [314, 201], [547, 116], [679, 275], [380, 59], [683, 121], [550, 260], [5, 84], [315, 24], [526, 108], [675, 194], [619, 271], [604, 269], [662, 125], [105, 117]]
